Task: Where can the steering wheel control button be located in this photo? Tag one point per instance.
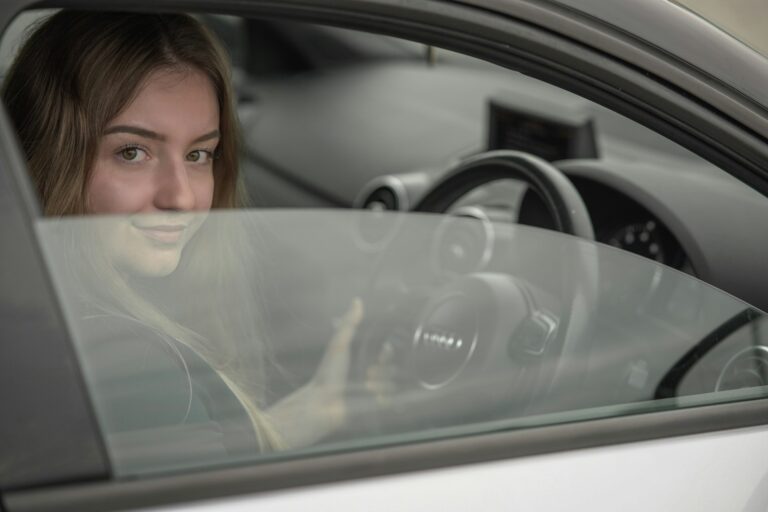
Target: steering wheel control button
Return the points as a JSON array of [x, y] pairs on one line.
[[534, 333], [444, 340]]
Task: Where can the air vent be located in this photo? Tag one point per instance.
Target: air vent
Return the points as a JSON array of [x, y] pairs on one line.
[[383, 198], [393, 192], [379, 225], [464, 241]]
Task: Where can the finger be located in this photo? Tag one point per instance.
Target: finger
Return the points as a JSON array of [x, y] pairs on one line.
[[335, 362], [380, 388], [347, 326], [386, 354], [380, 377], [382, 372]]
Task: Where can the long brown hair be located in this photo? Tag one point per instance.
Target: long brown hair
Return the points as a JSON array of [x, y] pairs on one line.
[[79, 70], [75, 73]]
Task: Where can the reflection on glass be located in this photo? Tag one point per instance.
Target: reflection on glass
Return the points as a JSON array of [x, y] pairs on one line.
[[227, 357]]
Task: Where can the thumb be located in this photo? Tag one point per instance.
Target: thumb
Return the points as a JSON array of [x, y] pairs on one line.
[[335, 362]]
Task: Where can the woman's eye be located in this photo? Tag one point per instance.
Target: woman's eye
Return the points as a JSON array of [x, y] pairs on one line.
[[200, 156], [132, 154]]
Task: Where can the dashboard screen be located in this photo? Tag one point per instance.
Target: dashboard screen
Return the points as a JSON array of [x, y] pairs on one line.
[[545, 136]]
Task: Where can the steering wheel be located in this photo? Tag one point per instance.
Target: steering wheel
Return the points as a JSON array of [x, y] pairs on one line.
[[560, 197], [481, 325]]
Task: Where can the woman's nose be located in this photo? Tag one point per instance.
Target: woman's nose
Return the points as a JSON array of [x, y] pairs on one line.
[[173, 186]]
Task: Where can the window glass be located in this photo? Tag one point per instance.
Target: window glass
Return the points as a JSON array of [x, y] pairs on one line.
[[564, 264], [546, 328]]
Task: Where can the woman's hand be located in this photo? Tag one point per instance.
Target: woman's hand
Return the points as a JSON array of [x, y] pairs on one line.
[[381, 376], [319, 407]]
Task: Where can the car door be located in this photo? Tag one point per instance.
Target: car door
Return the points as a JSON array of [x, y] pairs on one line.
[[57, 454]]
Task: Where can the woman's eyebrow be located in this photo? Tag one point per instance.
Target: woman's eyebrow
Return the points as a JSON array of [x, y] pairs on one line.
[[210, 135], [149, 134], [135, 130]]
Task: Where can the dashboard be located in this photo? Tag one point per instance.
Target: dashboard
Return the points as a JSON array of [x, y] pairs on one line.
[[384, 133], [619, 221], [682, 213], [647, 314]]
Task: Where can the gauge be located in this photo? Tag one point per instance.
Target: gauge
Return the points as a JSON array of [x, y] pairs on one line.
[[747, 369], [643, 238]]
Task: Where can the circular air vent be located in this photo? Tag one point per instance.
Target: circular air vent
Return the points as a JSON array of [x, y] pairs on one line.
[[384, 193], [464, 241], [382, 198]]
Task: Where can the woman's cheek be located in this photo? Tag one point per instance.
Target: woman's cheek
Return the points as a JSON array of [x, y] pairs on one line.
[[112, 190], [101, 194], [204, 188]]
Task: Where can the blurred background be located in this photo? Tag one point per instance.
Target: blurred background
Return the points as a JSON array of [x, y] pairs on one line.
[[744, 19]]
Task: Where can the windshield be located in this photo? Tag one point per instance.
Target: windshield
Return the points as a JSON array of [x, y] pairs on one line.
[[461, 325]]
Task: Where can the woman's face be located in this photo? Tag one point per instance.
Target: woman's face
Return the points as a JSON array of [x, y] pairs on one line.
[[154, 167]]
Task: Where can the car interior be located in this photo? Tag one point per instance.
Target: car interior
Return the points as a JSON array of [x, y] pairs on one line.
[[659, 248]]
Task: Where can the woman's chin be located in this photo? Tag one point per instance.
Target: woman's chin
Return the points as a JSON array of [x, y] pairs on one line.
[[153, 264], [144, 252]]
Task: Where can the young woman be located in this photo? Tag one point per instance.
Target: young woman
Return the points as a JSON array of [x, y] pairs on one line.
[[132, 114]]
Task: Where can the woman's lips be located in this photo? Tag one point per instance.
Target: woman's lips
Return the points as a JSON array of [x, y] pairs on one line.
[[165, 234]]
